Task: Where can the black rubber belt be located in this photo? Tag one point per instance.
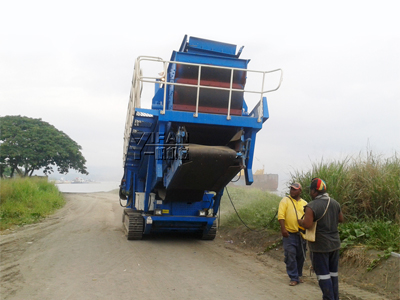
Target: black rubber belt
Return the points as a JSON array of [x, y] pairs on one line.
[[206, 168]]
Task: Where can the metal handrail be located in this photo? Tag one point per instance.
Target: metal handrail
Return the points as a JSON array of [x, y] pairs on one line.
[[138, 79], [148, 58]]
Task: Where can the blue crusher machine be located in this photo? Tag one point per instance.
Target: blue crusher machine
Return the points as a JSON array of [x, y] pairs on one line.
[[197, 136]]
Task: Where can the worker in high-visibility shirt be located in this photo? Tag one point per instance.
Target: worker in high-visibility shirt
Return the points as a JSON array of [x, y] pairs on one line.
[[291, 208]]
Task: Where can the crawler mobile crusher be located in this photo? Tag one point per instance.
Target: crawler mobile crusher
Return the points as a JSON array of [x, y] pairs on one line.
[[197, 135]]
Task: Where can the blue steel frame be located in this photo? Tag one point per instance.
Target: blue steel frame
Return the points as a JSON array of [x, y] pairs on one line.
[[145, 170]]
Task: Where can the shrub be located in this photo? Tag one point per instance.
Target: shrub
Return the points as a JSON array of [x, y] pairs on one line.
[[255, 208], [27, 200], [376, 234]]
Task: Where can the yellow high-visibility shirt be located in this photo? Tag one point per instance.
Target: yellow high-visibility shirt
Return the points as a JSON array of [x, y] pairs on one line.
[[286, 212]]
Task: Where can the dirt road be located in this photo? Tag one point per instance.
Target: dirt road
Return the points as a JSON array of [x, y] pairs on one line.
[[81, 253]]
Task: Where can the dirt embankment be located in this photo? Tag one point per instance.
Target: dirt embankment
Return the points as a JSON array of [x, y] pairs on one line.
[[356, 282], [81, 253]]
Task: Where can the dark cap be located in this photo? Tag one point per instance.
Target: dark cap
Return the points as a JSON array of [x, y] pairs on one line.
[[296, 186]]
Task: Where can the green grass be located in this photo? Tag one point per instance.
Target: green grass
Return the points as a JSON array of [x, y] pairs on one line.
[[27, 200], [367, 188], [256, 208]]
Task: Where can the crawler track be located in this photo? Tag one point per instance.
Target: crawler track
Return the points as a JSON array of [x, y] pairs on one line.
[[133, 224], [210, 235]]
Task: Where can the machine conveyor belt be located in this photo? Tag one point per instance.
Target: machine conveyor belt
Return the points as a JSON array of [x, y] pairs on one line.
[[206, 168]]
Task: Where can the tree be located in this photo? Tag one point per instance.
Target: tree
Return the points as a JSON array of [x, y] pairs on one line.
[[28, 144]]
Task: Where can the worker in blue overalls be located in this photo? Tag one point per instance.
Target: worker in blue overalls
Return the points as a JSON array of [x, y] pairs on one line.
[[325, 249]]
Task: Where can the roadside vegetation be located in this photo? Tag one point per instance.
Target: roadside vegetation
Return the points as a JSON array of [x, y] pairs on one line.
[[29, 145], [27, 200], [367, 187], [257, 209]]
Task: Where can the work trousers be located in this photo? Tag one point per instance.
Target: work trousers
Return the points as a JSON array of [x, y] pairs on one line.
[[295, 251], [326, 266]]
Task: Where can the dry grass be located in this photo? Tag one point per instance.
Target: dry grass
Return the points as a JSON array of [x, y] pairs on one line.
[[357, 256]]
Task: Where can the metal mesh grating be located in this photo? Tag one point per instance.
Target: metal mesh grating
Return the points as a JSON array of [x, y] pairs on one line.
[[139, 123], [143, 114]]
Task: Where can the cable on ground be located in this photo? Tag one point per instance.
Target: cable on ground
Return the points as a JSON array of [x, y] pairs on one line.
[[241, 220]]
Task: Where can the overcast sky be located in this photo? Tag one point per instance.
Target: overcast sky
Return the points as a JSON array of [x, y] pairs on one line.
[[70, 63]]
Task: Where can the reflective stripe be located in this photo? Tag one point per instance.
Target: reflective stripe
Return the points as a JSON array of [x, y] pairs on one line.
[[334, 274], [323, 277]]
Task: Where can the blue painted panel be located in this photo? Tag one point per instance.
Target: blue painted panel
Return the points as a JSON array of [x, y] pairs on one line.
[[203, 118], [266, 111], [178, 224], [208, 45], [183, 219], [158, 99], [249, 163], [210, 60], [186, 208]]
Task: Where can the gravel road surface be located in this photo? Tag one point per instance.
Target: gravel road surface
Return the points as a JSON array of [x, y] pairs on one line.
[[81, 253]]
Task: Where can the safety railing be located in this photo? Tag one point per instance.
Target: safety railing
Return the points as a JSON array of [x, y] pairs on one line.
[[138, 79]]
